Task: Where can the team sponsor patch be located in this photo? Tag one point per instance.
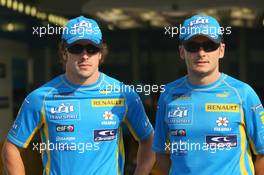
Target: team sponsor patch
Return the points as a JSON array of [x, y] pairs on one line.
[[64, 139], [146, 123], [178, 132], [179, 148], [105, 89], [222, 124], [255, 108], [218, 107], [63, 110], [105, 92], [222, 121], [104, 135], [199, 20], [63, 94], [222, 95], [222, 141], [180, 114], [179, 152], [15, 128], [261, 113], [108, 118], [108, 102], [65, 128], [262, 119]]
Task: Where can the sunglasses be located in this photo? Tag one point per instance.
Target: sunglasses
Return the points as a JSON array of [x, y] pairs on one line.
[[208, 46], [78, 49]]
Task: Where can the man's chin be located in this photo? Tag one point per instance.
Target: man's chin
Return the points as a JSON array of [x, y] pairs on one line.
[[85, 75], [201, 73]]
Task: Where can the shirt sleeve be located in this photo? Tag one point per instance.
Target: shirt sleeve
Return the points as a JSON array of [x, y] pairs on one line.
[[27, 122], [136, 118], [161, 127], [254, 120]]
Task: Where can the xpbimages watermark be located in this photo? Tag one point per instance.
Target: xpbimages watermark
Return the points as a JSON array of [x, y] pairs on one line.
[[80, 147], [79, 30], [145, 89], [175, 30], [183, 147]]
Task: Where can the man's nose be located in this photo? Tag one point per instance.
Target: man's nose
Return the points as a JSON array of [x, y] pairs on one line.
[[201, 52], [85, 55]]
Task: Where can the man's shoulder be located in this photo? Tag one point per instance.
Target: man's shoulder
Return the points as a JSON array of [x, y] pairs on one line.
[[174, 87], [179, 83], [45, 88], [110, 80], [235, 83], [238, 85]]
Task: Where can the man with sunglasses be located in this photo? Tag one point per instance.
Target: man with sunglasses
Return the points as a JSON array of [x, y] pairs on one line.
[[79, 114], [208, 122]]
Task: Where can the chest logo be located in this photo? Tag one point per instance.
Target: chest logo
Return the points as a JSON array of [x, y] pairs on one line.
[[108, 102], [222, 141], [222, 123], [65, 128], [108, 115], [180, 114], [223, 95], [217, 107], [108, 118], [62, 108], [58, 110], [178, 132], [105, 135]]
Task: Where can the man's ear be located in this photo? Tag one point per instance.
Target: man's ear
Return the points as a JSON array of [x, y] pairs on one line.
[[100, 56], [221, 50], [181, 50], [64, 55]]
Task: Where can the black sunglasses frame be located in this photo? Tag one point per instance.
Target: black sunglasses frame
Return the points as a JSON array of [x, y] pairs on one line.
[[207, 46], [78, 49]]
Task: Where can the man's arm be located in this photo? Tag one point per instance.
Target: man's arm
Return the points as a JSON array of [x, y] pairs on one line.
[[145, 157], [163, 163], [259, 165], [12, 160]]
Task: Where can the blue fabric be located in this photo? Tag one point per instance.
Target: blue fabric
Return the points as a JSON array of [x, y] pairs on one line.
[[80, 125], [82, 28], [200, 25], [207, 130]]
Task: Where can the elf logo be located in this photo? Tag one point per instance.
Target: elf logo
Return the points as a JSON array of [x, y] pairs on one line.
[[65, 128], [178, 132]]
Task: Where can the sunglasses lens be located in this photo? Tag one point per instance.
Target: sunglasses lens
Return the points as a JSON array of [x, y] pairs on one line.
[[210, 46], [75, 49], [192, 46], [91, 49], [78, 49], [195, 47]]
